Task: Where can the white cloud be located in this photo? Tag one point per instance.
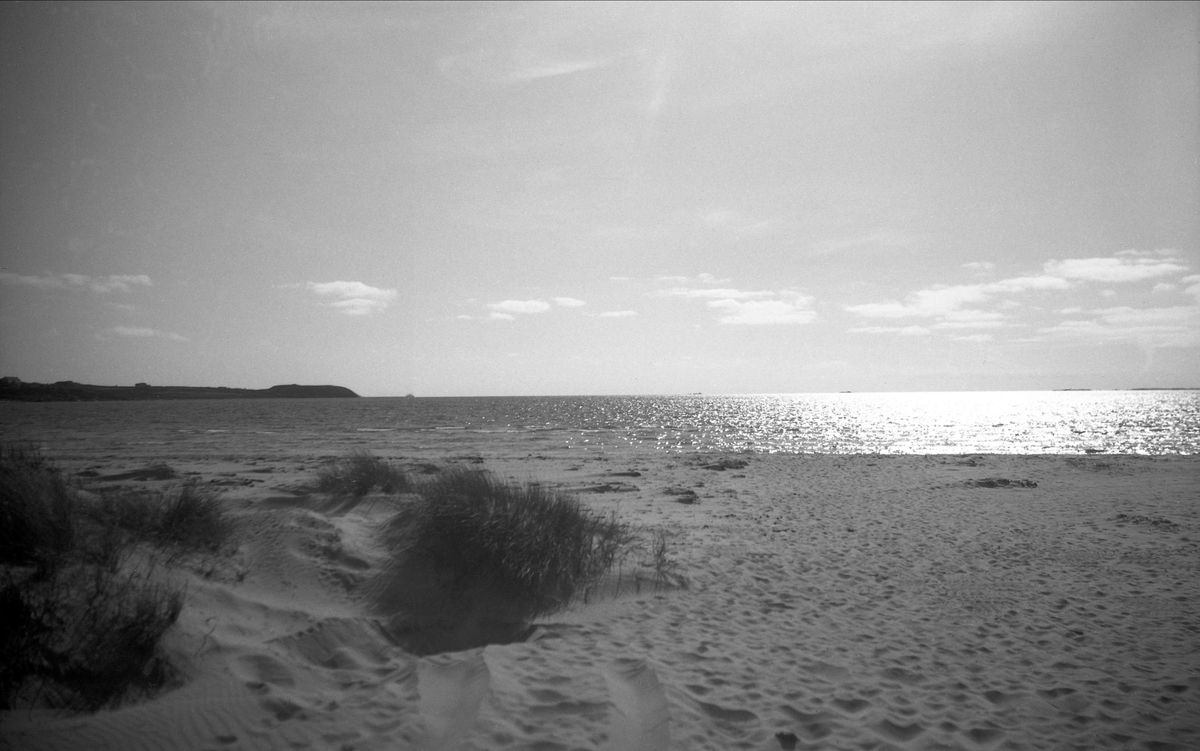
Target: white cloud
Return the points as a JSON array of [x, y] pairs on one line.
[[701, 278], [949, 300], [142, 332], [519, 306], [1025, 283], [973, 338], [503, 67], [713, 293], [355, 298], [1177, 326], [981, 267], [765, 312], [1193, 287], [618, 314], [739, 306], [959, 306], [132, 331], [98, 284], [924, 303], [971, 319], [569, 302], [901, 330], [1126, 266]]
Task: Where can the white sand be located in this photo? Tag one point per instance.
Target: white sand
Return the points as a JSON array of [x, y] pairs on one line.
[[852, 602]]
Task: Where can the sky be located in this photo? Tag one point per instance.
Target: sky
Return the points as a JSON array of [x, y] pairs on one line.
[[469, 199]]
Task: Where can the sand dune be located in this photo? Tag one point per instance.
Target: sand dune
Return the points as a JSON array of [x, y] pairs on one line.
[[835, 602]]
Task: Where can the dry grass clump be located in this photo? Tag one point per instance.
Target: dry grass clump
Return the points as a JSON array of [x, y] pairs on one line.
[[84, 637], [358, 473], [82, 593], [538, 547], [36, 507]]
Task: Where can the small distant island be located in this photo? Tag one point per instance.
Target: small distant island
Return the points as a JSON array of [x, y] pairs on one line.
[[14, 389]]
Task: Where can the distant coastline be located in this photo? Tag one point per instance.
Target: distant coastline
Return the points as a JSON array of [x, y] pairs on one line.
[[12, 389]]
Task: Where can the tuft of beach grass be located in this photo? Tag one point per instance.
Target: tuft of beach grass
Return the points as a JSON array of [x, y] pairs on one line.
[[84, 596], [536, 547], [358, 473]]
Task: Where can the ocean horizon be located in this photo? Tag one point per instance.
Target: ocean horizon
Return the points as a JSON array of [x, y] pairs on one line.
[[1142, 421]]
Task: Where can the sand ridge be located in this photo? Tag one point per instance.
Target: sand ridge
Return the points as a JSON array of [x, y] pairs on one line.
[[833, 602]]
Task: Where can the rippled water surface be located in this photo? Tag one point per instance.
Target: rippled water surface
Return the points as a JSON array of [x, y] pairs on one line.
[[1129, 422]]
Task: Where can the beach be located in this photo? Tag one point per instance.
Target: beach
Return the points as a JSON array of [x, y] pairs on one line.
[[831, 602]]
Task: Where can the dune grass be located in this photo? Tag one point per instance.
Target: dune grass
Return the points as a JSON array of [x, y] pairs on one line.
[[358, 473], [82, 584], [36, 507], [537, 546]]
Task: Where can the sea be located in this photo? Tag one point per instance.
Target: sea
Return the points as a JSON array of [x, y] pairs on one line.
[[1022, 422]]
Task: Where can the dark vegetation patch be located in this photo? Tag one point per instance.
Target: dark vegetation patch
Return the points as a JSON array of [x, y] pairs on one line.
[[608, 487], [1157, 522], [153, 472], [726, 463], [536, 544], [682, 495], [999, 482], [359, 473], [1094, 465], [83, 586], [477, 559]]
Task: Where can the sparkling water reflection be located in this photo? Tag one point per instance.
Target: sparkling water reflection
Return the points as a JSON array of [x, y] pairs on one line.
[[1130, 422]]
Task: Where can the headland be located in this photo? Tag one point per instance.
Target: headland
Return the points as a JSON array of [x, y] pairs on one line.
[[14, 389]]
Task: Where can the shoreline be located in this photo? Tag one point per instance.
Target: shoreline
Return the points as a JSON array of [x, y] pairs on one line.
[[875, 600]]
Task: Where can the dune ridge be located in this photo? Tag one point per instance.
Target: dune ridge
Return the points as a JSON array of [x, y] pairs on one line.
[[874, 602]]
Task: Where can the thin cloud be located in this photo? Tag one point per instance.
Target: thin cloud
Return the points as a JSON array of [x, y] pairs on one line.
[[500, 67], [618, 314], [764, 312], [971, 319], [354, 298], [740, 306], [523, 307], [1177, 326], [947, 300], [569, 302], [142, 332], [901, 330], [1193, 287], [973, 338], [967, 306], [97, 284], [1126, 266], [993, 305], [714, 293], [701, 278]]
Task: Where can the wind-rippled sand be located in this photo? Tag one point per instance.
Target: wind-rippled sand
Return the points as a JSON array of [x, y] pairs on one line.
[[835, 602]]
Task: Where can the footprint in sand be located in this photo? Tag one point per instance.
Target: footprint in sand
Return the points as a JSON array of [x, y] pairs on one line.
[[451, 692], [640, 720]]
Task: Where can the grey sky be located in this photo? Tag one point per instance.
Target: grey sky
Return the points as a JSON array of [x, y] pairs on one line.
[[601, 198]]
